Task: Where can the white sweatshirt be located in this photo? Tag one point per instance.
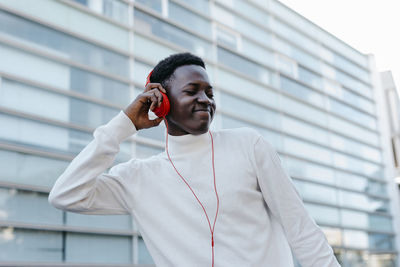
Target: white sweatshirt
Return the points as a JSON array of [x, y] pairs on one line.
[[260, 217]]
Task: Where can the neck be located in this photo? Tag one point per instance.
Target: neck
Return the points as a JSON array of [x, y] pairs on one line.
[[181, 145], [175, 130]]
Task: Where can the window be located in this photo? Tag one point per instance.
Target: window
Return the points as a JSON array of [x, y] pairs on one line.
[[30, 169], [354, 131], [323, 214], [140, 72], [363, 240], [352, 114], [286, 65], [295, 36], [62, 76], [63, 45], [113, 9], [354, 84], [351, 68], [156, 133], [97, 86], [355, 239], [67, 109], [111, 222], [310, 78], [257, 52], [156, 5], [144, 255], [362, 202], [307, 131], [161, 29], [336, 90], [89, 248], [30, 245], [297, 54], [243, 26], [243, 65], [228, 37], [302, 92], [246, 9], [272, 137], [246, 88], [332, 42], [366, 220], [310, 171], [355, 148], [360, 183], [200, 5], [381, 241], [27, 207], [149, 49], [248, 110], [189, 19], [48, 137], [315, 192], [306, 150], [304, 111], [356, 165], [334, 237]]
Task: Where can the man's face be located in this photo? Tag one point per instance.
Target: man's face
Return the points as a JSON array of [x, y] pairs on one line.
[[192, 103]]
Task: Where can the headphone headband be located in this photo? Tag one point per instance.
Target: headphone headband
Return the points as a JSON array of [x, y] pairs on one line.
[[148, 78]]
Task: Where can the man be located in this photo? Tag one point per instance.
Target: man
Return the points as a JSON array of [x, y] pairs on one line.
[[212, 197]]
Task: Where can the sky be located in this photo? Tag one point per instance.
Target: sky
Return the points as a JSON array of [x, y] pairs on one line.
[[370, 26]]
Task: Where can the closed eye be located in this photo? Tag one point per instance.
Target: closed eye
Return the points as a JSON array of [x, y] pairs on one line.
[[191, 92]]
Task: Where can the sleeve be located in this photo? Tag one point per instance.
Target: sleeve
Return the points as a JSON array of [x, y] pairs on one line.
[[306, 239], [84, 188]]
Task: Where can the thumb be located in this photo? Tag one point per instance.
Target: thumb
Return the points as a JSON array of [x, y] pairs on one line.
[[157, 121]]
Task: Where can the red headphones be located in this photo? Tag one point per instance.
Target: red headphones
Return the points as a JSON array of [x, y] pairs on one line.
[[162, 111]]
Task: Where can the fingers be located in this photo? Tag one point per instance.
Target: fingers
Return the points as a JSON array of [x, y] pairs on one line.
[[159, 97], [151, 86], [152, 106], [156, 121], [139, 108], [154, 94], [154, 97], [152, 123]]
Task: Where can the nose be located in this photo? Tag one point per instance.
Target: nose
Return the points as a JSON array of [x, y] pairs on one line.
[[203, 98]]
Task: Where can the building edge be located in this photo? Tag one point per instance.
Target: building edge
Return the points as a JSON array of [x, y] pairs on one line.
[[387, 155]]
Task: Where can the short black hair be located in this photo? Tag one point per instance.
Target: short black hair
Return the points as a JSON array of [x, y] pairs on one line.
[[163, 71]]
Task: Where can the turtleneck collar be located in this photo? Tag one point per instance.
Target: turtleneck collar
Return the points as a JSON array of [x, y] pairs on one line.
[[188, 143]]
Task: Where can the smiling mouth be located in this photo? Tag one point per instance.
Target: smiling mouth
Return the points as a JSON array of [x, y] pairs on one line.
[[203, 113]]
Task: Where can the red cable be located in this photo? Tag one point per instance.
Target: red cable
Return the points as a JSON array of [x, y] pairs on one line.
[[215, 188]]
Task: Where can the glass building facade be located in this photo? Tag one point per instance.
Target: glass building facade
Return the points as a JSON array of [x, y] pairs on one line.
[[69, 66]]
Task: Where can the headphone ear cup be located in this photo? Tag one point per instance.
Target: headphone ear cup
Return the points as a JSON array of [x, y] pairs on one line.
[[164, 108]]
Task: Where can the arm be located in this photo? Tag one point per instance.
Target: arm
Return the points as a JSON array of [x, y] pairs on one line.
[[306, 239], [83, 187]]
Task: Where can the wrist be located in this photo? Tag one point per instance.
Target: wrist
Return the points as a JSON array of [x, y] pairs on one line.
[[132, 119]]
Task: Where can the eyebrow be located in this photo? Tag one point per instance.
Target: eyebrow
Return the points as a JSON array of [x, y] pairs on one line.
[[197, 84]]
